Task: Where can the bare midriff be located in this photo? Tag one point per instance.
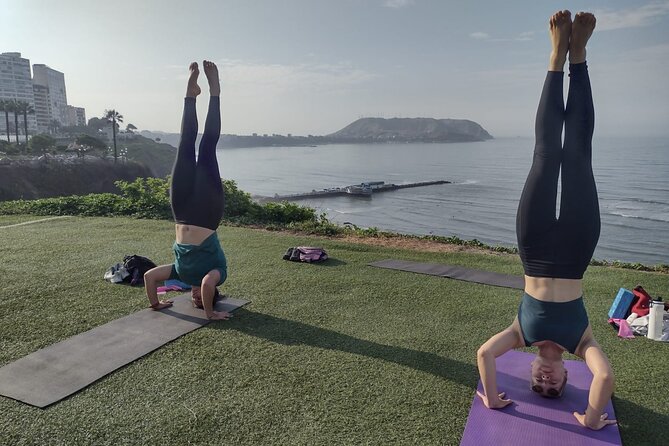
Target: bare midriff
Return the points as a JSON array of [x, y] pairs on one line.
[[551, 289], [191, 235]]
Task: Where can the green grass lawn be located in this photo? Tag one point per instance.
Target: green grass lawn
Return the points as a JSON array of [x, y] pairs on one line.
[[339, 353]]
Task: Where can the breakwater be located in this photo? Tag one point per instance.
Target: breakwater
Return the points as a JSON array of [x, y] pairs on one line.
[[353, 190]]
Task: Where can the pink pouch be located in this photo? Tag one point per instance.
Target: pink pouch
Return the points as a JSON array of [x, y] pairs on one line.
[[164, 289], [624, 330]]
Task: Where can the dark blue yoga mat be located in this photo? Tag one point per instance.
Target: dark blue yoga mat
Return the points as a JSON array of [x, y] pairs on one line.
[[454, 272], [55, 372], [533, 419]]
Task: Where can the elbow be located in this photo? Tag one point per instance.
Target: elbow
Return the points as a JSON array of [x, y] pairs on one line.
[[148, 278], [607, 378]]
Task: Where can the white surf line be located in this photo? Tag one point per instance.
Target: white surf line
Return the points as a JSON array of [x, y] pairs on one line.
[[35, 221]]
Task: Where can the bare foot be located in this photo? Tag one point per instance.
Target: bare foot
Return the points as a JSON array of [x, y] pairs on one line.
[[584, 25], [211, 71], [560, 30], [193, 89]]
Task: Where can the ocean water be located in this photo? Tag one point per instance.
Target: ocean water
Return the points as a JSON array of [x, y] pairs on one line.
[[487, 178]]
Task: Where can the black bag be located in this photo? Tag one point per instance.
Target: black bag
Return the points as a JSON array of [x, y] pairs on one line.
[[136, 267]]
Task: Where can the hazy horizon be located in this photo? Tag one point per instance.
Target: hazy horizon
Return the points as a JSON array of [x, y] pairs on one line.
[[314, 66]]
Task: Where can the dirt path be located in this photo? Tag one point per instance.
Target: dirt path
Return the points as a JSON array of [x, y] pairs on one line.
[[35, 221]]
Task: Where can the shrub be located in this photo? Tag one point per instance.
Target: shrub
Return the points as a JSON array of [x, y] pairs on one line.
[[4, 146], [286, 212], [240, 208], [99, 205], [41, 143], [239, 203], [145, 198], [326, 228], [10, 148], [89, 205]]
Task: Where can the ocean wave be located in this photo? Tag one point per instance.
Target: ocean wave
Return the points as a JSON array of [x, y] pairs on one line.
[[640, 217], [634, 203], [337, 211], [641, 200]]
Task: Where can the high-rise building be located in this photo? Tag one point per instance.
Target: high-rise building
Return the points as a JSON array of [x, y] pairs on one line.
[[76, 116], [44, 91], [16, 84], [42, 108], [54, 81]]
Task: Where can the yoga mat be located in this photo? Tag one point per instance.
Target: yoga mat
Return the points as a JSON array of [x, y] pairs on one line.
[[532, 419], [55, 372], [454, 272]]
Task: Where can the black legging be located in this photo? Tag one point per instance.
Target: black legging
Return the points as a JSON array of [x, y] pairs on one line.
[[197, 193], [560, 247]]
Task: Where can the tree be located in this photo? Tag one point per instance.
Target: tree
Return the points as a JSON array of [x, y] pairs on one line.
[[54, 126], [15, 110], [89, 141], [6, 106], [113, 116], [41, 143], [97, 123], [130, 128], [25, 109]]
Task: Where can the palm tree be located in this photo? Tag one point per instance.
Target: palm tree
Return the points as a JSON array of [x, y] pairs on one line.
[[25, 109], [5, 106], [15, 110], [113, 116], [54, 126]]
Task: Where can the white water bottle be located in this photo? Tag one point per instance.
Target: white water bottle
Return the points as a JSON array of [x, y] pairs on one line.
[[655, 319]]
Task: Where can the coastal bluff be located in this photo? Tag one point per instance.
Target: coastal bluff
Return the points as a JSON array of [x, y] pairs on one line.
[[411, 130], [54, 178]]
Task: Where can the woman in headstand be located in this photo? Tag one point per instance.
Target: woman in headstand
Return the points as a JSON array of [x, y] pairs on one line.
[[196, 196], [556, 251]]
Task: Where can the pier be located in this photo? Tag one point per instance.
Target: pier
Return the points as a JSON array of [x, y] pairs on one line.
[[356, 190]]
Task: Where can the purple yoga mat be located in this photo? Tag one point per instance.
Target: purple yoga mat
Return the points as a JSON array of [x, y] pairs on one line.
[[533, 419]]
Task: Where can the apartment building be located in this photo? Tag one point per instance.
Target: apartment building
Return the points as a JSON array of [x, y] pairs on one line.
[[16, 84]]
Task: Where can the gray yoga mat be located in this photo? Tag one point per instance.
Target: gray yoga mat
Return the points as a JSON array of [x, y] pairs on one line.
[[454, 272], [55, 372]]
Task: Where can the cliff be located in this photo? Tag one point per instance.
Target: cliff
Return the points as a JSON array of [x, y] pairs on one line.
[[158, 157], [58, 177]]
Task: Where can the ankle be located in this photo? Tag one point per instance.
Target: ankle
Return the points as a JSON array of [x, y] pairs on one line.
[[557, 61], [577, 56]]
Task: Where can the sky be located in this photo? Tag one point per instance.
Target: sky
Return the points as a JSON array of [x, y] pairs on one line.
[[314, 66]]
